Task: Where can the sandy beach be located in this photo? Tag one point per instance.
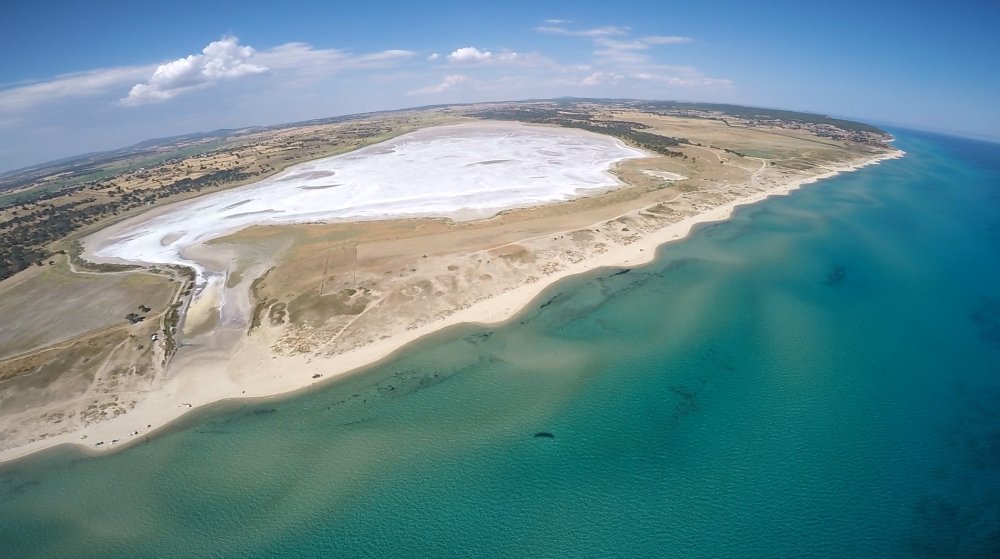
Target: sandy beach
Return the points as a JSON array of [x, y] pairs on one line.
[[250, 368]]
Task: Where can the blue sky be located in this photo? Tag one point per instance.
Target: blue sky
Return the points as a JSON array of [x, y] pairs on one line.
[[77, 77]]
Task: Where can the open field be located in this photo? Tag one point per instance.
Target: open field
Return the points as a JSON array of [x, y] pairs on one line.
[[54, 303], [299, 303]]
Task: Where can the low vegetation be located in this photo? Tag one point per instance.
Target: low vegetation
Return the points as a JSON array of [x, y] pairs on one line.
[[629, 132]]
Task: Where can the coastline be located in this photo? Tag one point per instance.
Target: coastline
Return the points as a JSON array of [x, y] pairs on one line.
[[249, 372]]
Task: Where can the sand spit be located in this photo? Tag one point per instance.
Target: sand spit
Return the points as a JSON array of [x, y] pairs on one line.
[[252, 370]]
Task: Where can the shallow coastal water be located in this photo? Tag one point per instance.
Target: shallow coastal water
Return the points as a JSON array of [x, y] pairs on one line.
[[818, 377]]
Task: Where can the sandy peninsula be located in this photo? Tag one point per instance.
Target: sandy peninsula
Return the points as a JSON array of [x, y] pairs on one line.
[[282, 307]]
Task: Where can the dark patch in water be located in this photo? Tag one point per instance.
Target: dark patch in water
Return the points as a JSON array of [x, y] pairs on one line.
[[956, 528], [942, 521], [544, 435], [354, 423], [616, 288], [986, 317], [263, 412], [687, 404], [960, 515], [409, 381], [983, 451], [977, 438], [478, 338], [24, 487], [550, 301], [214, 432], [713, 357], [12, 487], [676, 264], [836, 274], [607, 326]]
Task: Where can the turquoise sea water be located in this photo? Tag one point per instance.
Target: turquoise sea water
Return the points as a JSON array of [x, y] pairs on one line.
[[819, 377]]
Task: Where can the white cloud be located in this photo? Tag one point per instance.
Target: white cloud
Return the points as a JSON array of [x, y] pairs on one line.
[[618, 58], [472, 55], [226, 60], [469, 54], [305, 58], [390, 55], [630, 52], [666, 40], [610, 45], [558, 21], [68, 86], [684, 81], [612, 49], [620, 53], [601, 78], [606, 31], [433, 57], [221, 60], [447, 83]]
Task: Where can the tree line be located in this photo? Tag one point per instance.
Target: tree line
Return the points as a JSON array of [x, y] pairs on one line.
[[24, 238]]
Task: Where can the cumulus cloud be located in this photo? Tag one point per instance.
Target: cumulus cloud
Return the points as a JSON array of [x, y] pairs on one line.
[[472, 55], [226, 59], [447, 83], [221, 60], [433, 57], [469, 54]]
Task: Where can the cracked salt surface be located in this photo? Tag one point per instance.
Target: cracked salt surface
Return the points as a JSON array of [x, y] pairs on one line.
[[473, 169]]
